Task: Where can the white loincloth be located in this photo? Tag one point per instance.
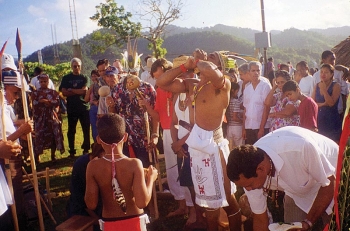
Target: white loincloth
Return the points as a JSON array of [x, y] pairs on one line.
[[206, 168], [5, 195]]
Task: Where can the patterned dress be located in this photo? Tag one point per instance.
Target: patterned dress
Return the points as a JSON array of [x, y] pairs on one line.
[[133, 114], [293, 120], [47, 125]]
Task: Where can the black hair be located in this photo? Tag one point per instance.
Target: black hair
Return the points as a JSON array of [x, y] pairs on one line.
[[111, 128], [284, 74], [290, 85], [244, 160], [326, 53], [163, 63], [102, 61], [283, 65], [38, 70], [94, 72]]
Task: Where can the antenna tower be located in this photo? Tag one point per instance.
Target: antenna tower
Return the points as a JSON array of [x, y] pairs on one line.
[[55, 46], [75, 39]]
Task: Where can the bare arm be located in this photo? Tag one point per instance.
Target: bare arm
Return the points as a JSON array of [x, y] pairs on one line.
[[270, 100], [322, 201], [287, 111], [263, 121], [143, 190], [330, 100], [168, 81], [260, 222], [24, 129], [72, 92], [91, 191]]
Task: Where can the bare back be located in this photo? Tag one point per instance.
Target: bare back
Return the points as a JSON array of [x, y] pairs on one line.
[[128, 171]]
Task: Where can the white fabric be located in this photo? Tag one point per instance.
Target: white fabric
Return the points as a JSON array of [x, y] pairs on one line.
[[253, 101], [5, 195], [206, 169], [338, 77], [306, 85], [102, 105], [181, 115], [303, 159], [146, 77], [179, 192], [234, 135], [35, 82]]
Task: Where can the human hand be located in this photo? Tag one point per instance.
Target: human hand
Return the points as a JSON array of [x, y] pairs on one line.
[[200, 54], [152, 173], [27, 127], [260, 133], [9, 148], [322, 86], [110, 101]]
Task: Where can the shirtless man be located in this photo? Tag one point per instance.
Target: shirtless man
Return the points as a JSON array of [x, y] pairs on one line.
[[129, 174], [208, 148]]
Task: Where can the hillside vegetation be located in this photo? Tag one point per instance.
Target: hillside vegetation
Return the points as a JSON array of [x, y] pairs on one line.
[[289, 45]]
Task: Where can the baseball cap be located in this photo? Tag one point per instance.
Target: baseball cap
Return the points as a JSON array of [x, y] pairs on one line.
[[112, 71], [13, 78], [8, 62]]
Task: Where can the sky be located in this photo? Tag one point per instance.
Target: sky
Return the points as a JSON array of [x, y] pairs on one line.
[[34, 18]]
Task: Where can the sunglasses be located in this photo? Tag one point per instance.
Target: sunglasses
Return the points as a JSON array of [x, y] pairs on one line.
[[76, 66]]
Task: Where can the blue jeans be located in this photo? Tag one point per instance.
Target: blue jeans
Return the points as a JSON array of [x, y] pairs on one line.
[[93, 121]]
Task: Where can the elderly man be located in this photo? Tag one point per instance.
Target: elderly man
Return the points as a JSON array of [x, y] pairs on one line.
[[74, 87], [208, 148], [255, 111], [294, 160]]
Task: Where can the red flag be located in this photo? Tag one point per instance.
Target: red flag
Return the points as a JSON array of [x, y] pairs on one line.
[[19, 45]]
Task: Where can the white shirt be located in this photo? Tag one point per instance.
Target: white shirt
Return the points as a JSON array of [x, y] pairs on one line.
[[146, 77], [303, 159], [337, 78], [307, 85], [253, 101], [35, 82], [5, 195]]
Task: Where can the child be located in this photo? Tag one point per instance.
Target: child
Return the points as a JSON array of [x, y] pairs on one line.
[[235, 118], [308, 108], [125, 211]]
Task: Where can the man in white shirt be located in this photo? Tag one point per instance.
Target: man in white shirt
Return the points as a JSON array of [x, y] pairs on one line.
[[294, 160], [328, 57], [255, 111], [35, 82]]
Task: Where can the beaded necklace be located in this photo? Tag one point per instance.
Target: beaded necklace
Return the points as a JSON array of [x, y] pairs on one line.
[[196, 92]]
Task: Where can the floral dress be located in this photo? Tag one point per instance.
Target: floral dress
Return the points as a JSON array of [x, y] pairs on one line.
[[48, 127], [277, 122]]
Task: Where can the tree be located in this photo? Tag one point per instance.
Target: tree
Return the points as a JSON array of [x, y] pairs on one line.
[[158, 19], [114, 18], [55, 72], [117, 21]]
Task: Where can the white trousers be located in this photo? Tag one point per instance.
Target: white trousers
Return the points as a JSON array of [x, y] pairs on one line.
[[179, 192]]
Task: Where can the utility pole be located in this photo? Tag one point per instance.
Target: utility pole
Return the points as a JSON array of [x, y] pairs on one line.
[[264, 30], [75, 39]]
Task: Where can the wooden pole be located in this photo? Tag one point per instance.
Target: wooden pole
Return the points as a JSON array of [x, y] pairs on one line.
[[4, 138], [264, 30], [29, 135]]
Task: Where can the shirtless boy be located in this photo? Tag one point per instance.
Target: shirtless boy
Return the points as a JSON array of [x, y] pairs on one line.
[[209, 150], [129, 174]]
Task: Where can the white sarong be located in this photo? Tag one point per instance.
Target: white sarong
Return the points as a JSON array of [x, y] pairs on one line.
[[206, 168], [5, 195]]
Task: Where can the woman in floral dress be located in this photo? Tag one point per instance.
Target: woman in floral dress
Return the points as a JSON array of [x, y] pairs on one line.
[[48, 127], [283, 111]]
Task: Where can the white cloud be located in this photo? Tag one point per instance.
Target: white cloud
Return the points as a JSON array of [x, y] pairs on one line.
[[36, 11]]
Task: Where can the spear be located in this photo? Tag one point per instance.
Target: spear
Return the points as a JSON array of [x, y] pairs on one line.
[[29, 135], [4, 138]]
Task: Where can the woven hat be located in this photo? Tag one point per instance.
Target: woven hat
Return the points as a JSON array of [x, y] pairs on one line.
[[8, 62], [179, 60]]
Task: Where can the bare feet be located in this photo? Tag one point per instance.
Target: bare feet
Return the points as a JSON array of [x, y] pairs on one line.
[[191, 215]]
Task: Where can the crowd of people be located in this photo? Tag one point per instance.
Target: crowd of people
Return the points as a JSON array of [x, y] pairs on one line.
[[222, 129]]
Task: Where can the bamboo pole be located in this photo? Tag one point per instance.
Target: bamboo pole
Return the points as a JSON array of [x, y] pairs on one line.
[[29, 135]]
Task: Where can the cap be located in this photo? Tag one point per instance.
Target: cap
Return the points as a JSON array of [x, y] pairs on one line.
[[8, 62], [112, 71], [13, 78]]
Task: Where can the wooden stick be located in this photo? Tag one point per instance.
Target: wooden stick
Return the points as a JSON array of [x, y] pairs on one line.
[[41, 198], [29, 135], [4, 138]]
